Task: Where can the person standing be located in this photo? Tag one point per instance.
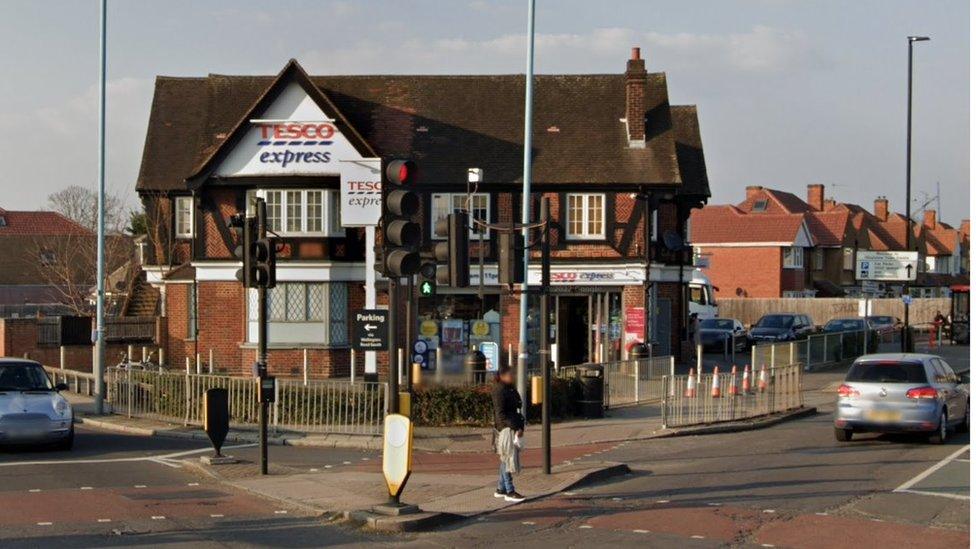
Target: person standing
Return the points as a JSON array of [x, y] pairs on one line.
[[509, 428]]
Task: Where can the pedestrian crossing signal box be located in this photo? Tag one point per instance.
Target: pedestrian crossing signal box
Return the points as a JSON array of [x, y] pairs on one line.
[[266, 389], [427, 288]]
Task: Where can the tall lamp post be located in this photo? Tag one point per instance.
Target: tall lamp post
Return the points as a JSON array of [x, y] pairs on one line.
[[907, 345]]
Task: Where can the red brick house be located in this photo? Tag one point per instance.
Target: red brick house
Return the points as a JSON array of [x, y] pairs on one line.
[[608, 149]]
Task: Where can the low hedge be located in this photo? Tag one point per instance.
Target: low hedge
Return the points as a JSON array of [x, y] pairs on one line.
[[437, 406]]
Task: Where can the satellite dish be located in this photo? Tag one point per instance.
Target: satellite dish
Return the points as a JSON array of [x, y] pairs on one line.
[[673, 241]]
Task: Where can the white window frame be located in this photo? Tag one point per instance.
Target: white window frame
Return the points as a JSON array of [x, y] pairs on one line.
[[330, 228], [586, 234], [792, 257], [183, 205], [452, 197]]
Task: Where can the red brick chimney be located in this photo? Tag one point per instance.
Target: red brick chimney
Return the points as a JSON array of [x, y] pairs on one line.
[[964, 227], [929, 219], [636, 105], [881, 208], [753, 192], [815, 196]]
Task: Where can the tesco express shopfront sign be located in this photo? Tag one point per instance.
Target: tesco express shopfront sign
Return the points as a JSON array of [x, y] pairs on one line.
[[288, 143]]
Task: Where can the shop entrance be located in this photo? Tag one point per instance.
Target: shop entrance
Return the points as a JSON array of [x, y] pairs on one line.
[[574, 329]]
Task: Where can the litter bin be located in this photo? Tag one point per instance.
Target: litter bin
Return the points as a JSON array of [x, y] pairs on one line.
[[476, 363], [638, 351], [591, 399]]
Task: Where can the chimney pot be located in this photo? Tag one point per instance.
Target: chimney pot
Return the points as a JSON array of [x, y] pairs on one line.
[[635, 53], [881, 208], [929, 219]]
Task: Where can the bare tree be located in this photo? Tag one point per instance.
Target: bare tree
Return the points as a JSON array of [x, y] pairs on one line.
[[80, 204]]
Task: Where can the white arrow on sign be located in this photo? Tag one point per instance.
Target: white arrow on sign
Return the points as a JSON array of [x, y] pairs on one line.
[[370, 327]]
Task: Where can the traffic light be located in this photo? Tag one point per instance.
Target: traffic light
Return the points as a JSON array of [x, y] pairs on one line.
[[265, 263], [452, 255], [401, 234], [246, 229], [511, 267]]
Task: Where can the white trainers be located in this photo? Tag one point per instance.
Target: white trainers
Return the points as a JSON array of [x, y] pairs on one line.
[[514, 497]]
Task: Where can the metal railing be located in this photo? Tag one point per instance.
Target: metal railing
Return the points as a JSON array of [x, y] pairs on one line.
[[322, 406], [709, 398], [635, 381], [82, 383], [773, 355], [832, 347]]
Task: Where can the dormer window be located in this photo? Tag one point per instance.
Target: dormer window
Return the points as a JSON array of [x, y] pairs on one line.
[[760, 205]]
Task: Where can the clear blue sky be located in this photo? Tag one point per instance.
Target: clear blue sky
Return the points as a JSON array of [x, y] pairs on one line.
[[789, 92]]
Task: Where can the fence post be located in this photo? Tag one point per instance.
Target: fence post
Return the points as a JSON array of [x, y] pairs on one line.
[[144, 355], [129, 392], [210, 362], [772, 355], [199, 371], [186, 385], [277, 399], [793, 351], [162, 358], [352, 365], [187, 365], [809, 361], [304, 367], [637, 366], [754, 355], [439, 373], [64, 356]]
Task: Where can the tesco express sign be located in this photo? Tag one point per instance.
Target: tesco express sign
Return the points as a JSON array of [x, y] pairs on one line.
[[295, 143]]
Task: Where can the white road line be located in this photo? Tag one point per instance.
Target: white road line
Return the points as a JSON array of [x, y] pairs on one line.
[[618, 499], [139, 486], [104, 520], [156, 459], [768, 545], [528, 523], [158, 517], [86, 488], [193, 484], [664, 501], [585, 526], [939, 494], [697, 537], [964, 460], [216, 516], [281, 512], [34, 490], [642, 531], [327, 466], [769, 510], [347, 463], [924, 474], [45, 523]]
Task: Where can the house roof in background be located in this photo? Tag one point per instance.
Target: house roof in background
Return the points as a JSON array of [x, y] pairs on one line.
[[726, 224], [39, 223]]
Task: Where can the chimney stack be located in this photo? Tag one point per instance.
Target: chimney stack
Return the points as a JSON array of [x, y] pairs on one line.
[[964, 227], [815, 196], [881, 208], [753, 192], [636, 89], [929, 219]]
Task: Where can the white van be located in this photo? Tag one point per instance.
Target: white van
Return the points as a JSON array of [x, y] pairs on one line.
[[701, 296]]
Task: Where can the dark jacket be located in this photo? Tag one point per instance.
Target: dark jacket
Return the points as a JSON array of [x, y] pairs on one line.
[[508, 407]]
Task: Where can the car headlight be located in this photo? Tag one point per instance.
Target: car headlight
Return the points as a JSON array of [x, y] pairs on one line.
[[61, 407]]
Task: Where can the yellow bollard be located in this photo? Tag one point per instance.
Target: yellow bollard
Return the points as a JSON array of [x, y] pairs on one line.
[[405, 404], [417, 374], [536, 389]]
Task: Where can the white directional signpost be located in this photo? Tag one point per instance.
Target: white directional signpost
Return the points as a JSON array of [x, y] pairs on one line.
[[886, 266], [370, 330]]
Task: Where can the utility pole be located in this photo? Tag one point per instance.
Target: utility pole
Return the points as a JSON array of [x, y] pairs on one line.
[[99, 336], [907, 344], [526, 204], [262, 366], [392, 348]]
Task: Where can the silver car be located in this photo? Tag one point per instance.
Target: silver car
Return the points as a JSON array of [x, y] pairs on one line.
[[31, 409], [901, 393]]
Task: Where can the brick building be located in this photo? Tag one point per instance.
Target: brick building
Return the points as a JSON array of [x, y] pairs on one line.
[[775, 244], [609, 151]]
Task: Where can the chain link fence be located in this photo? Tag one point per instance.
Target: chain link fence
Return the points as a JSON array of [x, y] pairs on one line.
[[697, 398]]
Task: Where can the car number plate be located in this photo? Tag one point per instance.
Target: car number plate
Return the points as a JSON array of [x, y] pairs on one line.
[[883, 416]]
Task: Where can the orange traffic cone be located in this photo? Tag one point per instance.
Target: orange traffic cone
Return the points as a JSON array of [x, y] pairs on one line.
[[762, 379], [734, 386], [690, 388], [746, 382], [716, 391]]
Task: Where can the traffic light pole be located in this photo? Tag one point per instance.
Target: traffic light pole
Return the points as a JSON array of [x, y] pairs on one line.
[[394, 295], [408, 335], [262, 215], [544, 343]]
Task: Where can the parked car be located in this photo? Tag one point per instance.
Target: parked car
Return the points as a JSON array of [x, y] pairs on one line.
[[854, 329], [884, 324], [717, 332], [32, 411], [782, 327], [902, 393]]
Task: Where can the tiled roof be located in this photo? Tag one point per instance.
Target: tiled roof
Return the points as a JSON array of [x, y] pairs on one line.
[[38, 223], [447, 123], [778, 202], [728, 224], [828, 228]]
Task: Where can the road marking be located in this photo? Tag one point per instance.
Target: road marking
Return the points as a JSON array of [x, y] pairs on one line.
[[363, 459], [964, 460], [281, 512], [328, 466], [155, 459], [216, 516], [939, 494], [768, 545], [45, 523], [713, 504], [697, 537], [618, 499], [585, 526], [86, 488], [34, 490], [642, 531], [158, 517], [313, 470], [104, 520], [769, 510], [528, 523], [347, 463], [906, 487], [822, 514], [664, 501], [193, 484]]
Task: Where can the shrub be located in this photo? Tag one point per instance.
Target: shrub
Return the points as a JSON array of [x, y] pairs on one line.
[[471, 405]]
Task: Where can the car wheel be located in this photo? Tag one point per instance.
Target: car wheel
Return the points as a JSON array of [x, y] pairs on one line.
[[69, 441], [843, 435], [941, 434], [963, 426]]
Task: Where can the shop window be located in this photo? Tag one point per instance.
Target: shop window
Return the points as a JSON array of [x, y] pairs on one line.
[[793, 257], [818, 259], [442, 204], [184, 217], [303, 312], [301, 212], [585, 216]]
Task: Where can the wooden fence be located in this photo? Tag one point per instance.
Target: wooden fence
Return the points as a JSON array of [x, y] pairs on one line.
[[822, 309]]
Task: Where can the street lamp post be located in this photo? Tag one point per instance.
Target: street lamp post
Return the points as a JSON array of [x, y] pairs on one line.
[[907, 343]]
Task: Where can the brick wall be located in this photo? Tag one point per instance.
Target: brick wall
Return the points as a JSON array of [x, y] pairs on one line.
[[756, 270], [18, 338]]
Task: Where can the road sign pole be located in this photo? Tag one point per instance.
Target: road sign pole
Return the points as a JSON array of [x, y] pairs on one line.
[[408, 331], [263, 339], [544, 345], [392, 346]]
